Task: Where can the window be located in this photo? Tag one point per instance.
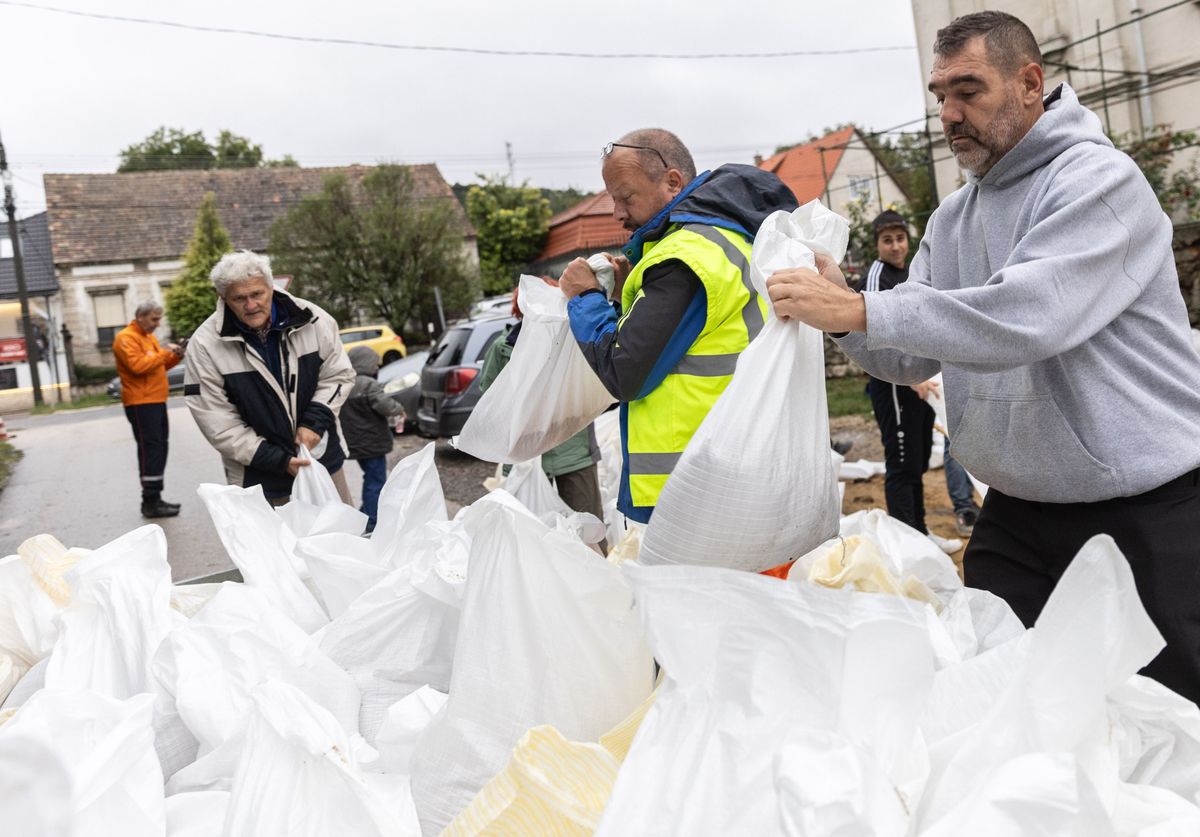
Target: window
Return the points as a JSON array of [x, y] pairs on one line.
[[860, 187], [6, 248], [110, 317]]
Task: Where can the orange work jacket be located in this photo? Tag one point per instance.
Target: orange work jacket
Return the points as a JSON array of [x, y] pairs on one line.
[[142, 365]]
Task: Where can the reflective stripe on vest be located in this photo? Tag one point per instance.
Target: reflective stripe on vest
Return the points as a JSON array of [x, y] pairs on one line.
[[661, 424]]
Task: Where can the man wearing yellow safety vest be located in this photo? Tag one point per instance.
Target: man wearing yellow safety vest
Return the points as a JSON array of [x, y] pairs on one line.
[[686, 306]]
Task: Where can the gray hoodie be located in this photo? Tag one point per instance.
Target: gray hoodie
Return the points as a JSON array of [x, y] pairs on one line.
[[1046, 293]]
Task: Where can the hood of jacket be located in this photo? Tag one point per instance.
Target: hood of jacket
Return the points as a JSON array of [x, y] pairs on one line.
[[734, 197], [1064, 124], [364, 360]]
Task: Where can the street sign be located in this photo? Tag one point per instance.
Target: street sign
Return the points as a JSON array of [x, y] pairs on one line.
[[12, 349], [282, 282]]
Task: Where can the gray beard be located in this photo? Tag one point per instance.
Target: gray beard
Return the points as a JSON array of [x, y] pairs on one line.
[[1005, 132]]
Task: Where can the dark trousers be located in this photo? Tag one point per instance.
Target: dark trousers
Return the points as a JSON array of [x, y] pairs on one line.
[[906, 426], [150, 431], [374, 476], [1020, 549], [581, 491]]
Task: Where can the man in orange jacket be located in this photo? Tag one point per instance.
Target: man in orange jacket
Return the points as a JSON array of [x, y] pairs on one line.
[[142, 364]]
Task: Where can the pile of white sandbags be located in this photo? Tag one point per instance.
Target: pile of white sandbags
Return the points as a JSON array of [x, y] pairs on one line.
[[375, 686]]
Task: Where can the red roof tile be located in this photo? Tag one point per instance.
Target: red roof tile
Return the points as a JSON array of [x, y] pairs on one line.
[[588, 225], [800, 167]]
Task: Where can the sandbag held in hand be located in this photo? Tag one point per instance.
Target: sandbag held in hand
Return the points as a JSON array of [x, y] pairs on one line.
[[545, 395], [755, 487]]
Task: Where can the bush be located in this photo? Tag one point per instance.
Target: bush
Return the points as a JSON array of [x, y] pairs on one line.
[[85, 374]]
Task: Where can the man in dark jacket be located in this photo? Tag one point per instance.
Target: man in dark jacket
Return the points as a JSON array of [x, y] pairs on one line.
[[688, 307], [367, 429], [905, 419], [267, 372]]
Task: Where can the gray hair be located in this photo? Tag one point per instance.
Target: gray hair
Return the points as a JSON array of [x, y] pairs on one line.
[[241, 266], [674, 153], [148, 306], [1010, 44]]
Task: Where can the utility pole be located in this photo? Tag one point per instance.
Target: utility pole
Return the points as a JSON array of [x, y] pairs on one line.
[[511, 163], [31, 346]]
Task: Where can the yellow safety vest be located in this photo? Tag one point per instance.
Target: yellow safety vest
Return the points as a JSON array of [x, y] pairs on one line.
[[662, 423]]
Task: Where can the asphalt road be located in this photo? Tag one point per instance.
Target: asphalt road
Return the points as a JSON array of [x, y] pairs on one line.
[[78, 481]]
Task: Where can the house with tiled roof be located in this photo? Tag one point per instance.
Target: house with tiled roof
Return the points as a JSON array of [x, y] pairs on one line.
[[41, 290], [837, 169], [120, 238], [587, 227]]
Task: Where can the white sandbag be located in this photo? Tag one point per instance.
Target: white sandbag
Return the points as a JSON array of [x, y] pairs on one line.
[[262, 547], [298, 776], [212, 664], [1156, 733], [27, 627], [342, 568], [35, 787], [402, 726], [860, 469], [106, 746], [411, 497], [906, 551], [755, 487], [196, 814], [547, 635], [120, 612], [397, 637], [937, 400], [33, 680], [1090, 638], [545, 395], [315, 507], [784, 709], [608, 471], [528, 483]]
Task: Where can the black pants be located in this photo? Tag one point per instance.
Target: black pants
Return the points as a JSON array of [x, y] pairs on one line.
[[906, 426], [150, 430], [1020, 549]]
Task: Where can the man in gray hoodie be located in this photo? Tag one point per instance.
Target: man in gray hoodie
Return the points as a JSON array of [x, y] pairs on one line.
[[1045, 291]]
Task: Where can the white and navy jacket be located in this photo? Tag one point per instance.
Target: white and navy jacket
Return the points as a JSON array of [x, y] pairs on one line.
[[246, 413]]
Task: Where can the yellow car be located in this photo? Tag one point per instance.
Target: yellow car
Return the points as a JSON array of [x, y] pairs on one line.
[[386, 343]]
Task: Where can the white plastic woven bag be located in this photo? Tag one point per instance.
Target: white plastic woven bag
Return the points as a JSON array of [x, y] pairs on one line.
[[755, 487], [547, 635], [545, 395]]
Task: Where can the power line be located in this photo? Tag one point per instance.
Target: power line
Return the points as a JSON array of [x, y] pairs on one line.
[[507, 53]]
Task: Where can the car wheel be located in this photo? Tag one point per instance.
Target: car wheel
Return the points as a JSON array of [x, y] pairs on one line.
[[390, 357]]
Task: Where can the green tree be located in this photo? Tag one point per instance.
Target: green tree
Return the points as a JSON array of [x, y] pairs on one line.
[[234, 152], [512, 222], [173, 148], [376, 247], [191, 298], [1177, 187], [168, 149]]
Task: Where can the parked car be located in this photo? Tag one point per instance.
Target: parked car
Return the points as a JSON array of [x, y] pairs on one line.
[[387, 344], [490, 307], [174, 380], [401, 380], [450, 377]]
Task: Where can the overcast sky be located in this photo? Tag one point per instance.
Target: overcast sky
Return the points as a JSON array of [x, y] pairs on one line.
[[78, 90]]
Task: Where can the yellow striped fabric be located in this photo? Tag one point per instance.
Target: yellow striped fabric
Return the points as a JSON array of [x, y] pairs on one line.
[[550, 786]]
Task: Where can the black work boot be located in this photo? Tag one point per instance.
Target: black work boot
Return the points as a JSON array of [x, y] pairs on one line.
[[175, 506], [157, 508]]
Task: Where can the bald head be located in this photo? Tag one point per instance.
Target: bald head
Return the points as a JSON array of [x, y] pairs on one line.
[[657, 146], [645, 171]]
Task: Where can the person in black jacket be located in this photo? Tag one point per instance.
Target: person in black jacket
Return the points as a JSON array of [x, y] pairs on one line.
[[905, 419], [366, 426]]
